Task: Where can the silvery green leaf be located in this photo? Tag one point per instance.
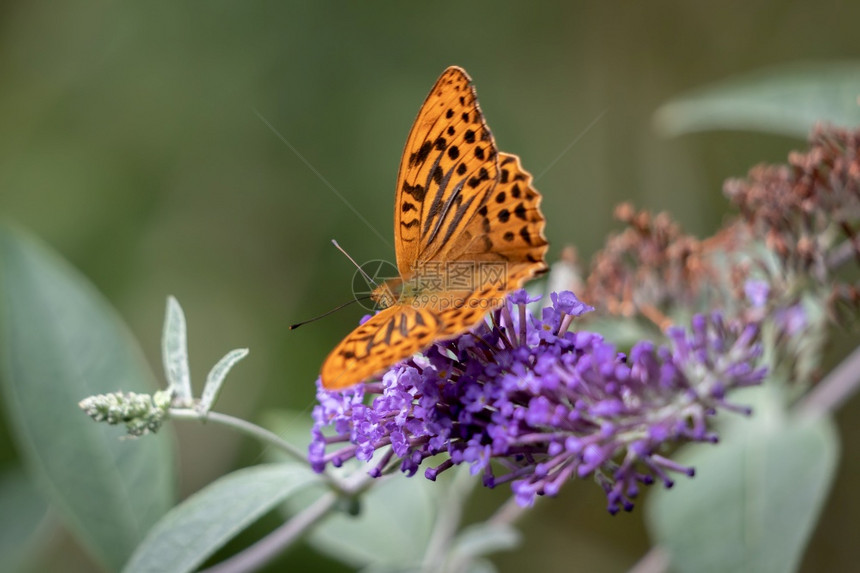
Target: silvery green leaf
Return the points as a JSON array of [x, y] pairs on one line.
[[22, 515], [390, 531], [756, 496], [787, 100], [483, 539], [174, 352], [216, 376], [60, 341], [193, 530]]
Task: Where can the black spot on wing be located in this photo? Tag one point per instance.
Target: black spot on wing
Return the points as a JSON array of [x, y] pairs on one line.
[[479, 178], [520, 211], [419, 320], [416, 191], [420, 156], [524, 233], [437, 175], [389, 331]]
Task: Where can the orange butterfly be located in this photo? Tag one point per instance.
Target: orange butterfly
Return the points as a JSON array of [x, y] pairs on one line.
[[468, 230]]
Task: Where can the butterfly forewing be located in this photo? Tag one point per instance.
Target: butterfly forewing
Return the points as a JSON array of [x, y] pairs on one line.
[[448, 168], [393, 334]]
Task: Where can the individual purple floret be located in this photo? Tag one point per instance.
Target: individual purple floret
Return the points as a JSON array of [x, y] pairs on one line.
[[527, 402]]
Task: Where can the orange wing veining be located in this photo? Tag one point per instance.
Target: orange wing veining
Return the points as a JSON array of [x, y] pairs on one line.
[[385, 339], [508, 228], [448, 168]]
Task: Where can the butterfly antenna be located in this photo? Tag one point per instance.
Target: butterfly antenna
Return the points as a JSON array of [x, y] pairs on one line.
[[323, 315], [361, 270]]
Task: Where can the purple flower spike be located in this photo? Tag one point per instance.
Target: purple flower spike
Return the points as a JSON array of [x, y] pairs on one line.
[[530, 404], [522, 297], [567, 303]]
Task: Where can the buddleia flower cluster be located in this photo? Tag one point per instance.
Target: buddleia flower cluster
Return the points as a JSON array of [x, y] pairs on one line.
[[531, 403]]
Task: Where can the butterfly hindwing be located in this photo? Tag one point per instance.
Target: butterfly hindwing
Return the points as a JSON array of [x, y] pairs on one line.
[[508, 228], [460, 205], [448, 168], [469, 308]]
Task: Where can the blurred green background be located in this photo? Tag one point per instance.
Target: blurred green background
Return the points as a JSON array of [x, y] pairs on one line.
[[131, 141]]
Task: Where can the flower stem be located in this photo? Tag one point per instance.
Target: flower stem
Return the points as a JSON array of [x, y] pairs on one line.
[[508, 514], [448, 520], [841, 383], [262, 552], [655, 561], [244, 426]]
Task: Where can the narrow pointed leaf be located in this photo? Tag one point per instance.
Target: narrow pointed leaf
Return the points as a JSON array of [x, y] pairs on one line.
[[174, 352], [216, 376]]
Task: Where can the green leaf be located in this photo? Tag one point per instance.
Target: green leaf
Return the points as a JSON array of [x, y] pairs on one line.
[[60, 342], [22, 510], [393, 527], [200, 525], [786, 100], [483, 539], [216, 377], [174, 352], [755, 499]]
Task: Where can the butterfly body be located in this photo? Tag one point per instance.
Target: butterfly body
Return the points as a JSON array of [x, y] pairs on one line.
[[468, 230]]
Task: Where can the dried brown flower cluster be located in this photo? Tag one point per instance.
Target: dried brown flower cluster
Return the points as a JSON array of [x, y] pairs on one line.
[[804, 209], [795, 230]]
